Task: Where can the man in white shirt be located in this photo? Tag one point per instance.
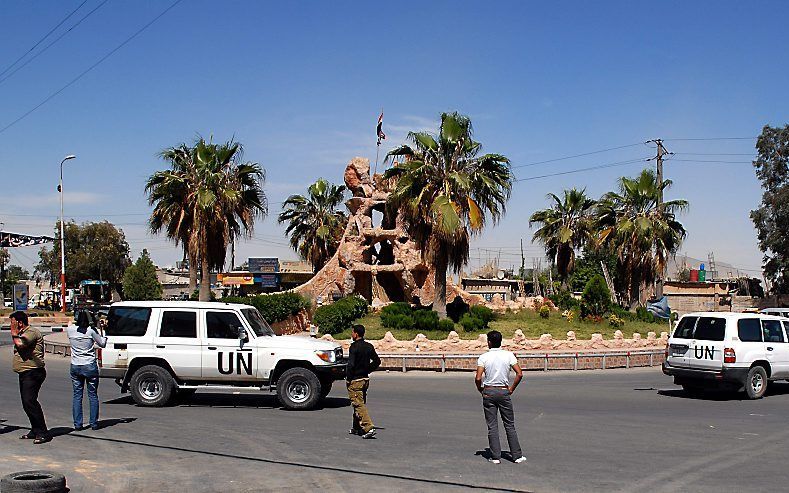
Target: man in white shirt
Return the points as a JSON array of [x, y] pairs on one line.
[[495, 388]]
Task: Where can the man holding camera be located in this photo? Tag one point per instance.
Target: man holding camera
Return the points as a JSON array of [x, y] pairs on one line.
[[28, 363]]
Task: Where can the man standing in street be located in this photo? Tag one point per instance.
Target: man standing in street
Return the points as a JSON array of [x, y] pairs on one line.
[[495, 388], [28, 363], [362, 359]]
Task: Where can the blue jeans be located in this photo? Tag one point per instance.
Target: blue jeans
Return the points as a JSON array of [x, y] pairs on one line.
[[80, 375]]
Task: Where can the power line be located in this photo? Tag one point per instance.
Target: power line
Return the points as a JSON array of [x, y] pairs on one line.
[[709, 161], [714, 138], [42, 39], [602, 166], [85, 72], [53, 42], [578, 155], [716, 153]]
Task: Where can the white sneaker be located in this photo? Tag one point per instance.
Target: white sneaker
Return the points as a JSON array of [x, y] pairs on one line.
[[494, 461], [520, 459]]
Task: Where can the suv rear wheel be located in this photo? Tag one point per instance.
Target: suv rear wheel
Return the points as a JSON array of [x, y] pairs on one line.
[[152, 386], [298, 388], [756, 382]]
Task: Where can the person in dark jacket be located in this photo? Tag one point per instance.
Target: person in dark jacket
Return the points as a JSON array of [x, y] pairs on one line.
[[362, 360]]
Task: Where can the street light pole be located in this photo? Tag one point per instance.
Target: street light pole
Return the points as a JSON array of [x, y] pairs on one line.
[[62, 240]]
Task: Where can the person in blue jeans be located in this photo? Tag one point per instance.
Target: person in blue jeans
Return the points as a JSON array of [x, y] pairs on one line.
[[84, 367]]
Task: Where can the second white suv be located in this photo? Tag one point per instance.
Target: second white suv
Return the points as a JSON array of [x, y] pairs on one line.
[[742, 351], [159, 349]]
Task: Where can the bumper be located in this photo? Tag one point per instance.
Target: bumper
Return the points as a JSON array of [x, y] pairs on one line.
[[335, 371], [112, 373], [724, 375]]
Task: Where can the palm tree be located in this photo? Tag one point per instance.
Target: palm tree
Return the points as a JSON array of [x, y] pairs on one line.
[[642, 232], [565, 227], [315, 226], [168, 192], [220, 196], [444, 191]]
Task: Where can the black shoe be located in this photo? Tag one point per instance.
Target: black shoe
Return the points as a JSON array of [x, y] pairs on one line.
[[40, 440], [369, 434], [354, 431], [27, 436], [94, 427]]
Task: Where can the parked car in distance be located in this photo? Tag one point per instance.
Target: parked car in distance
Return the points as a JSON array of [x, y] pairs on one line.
[[738, 351], [778, 312]]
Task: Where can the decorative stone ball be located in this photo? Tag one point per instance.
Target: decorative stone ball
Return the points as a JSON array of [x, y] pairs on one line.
[[570, 335]]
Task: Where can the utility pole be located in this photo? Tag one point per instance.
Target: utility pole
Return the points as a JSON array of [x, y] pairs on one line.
[[661, 151]]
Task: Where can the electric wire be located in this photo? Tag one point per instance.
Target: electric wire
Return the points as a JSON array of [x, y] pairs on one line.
[[577, 155], [45, 37], [40, 52], [579, 170], [86, 71]]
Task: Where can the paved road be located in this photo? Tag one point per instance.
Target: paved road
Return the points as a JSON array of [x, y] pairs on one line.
[[585, 431]]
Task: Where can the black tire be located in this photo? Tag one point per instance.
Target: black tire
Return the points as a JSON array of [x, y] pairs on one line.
[[325, 388], [33, 481], [298, 388], [692, 390], [756, 382], [152, 386]]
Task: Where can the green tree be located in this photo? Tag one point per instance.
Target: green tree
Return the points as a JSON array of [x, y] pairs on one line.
[[445, 191], [140, 282], [93, 251], [565, 227], [315, 224], [10, 274], [224, 197], [596, 298], [772, 217], [588, 266], [642, 233]]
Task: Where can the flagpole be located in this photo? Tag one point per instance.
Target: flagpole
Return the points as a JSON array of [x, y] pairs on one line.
[[377, 151]]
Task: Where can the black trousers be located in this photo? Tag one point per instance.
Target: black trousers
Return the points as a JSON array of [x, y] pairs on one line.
[[30, 382]]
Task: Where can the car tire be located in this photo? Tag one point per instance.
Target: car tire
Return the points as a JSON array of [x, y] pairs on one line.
[[325, 388], [756, 382], [33, 481], [152, 386], [298, 388]]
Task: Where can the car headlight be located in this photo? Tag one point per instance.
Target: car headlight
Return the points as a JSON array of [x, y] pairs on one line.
[[327, 356]]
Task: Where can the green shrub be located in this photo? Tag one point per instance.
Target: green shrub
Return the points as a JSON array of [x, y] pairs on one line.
[[564, 300], [400, 321], [446, 325], [483, 313], [596, 299], [425, 320], [393, 314], [644, 315], [274, 307], [457, 309], [339, 316], [545, 311], [471, 324], [615, 321]]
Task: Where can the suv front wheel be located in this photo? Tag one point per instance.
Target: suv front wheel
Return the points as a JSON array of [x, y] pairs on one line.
[[298, 388], [756, 382], [152, 386]]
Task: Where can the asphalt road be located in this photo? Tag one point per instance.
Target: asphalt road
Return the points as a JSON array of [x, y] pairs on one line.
[[582, 431]]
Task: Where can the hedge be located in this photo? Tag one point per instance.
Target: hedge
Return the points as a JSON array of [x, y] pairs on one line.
[[274, 307], [338, 316]]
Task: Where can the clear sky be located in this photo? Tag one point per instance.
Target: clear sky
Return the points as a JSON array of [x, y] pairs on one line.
[[301, 84]]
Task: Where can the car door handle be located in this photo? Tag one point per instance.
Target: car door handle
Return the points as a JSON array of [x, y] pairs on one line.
[[769, 349], [159, 347], [212, 348]]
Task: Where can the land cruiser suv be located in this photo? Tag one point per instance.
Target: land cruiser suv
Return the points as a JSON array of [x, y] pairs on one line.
[[742, 351], [160, 349]]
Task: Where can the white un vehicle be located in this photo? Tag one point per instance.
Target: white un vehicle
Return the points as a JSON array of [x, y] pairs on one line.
[[160, 349], [740, 351]]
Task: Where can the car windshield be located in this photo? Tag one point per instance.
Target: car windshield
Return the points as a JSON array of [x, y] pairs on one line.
[[257, 322]]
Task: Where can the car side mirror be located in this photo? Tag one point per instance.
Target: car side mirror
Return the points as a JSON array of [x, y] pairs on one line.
[[242, 337]]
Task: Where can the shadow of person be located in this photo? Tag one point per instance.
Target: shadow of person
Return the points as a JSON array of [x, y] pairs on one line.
[[485, 454], [59, 431], [9, 429], [106, 423]]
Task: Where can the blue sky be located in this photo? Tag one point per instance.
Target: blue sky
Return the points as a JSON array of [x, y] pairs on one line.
[[301, 84]]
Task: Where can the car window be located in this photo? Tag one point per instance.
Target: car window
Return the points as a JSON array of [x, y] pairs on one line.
[[749, 330], [685, 328], [786, 328], [772, 331], [222, 325], [257, 322], [178, 324], [710, 329], [127, 321]]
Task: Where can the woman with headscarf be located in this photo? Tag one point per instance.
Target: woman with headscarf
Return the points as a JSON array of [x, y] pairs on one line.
[[84, 368]]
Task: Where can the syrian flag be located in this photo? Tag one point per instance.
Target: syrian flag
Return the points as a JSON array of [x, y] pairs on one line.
[[379, 130]]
